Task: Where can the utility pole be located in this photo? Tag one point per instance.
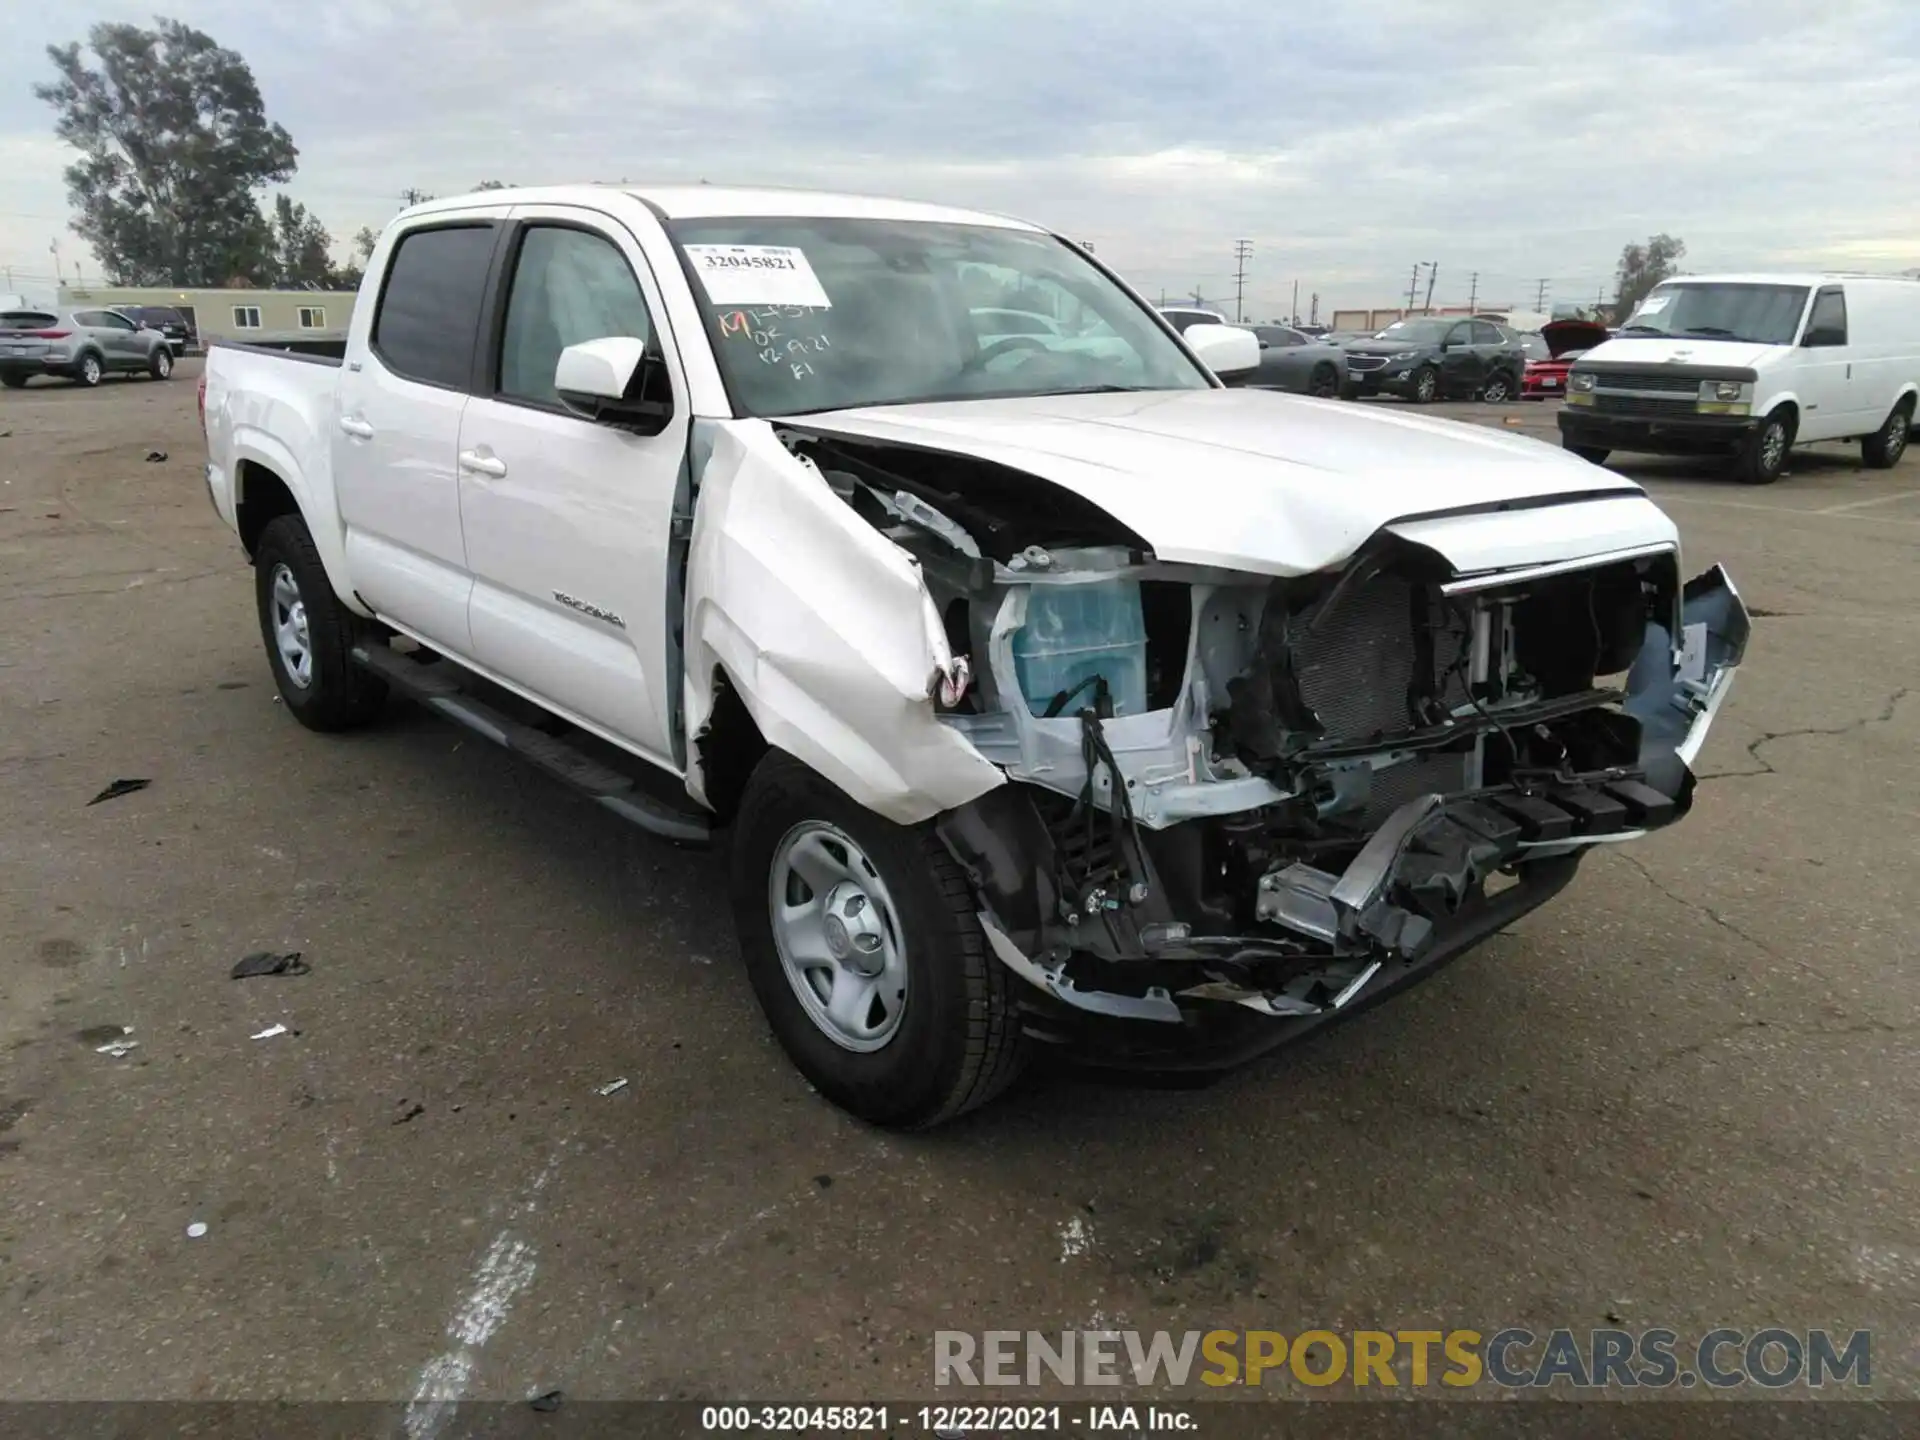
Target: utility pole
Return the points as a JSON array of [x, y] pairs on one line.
[[1293, 315], [1540, 300], [1313, 314], [1473, 292], [1413, 286], [1242, 252], [1433, 269]]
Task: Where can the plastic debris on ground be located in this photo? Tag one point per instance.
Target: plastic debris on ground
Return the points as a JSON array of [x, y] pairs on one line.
[[118, 1049], [265, 962], [410, 1113], [270, 1032], [197, 1229], [546, 1404], [118, 788], [154, 457], [612, 1087]]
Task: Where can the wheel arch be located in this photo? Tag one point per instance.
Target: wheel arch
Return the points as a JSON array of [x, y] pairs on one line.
[[268, 482]]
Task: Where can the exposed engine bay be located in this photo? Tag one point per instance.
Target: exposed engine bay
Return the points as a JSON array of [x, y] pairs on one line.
[[1263, 789]]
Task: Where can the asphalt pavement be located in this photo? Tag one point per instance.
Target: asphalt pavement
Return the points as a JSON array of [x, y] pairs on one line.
[[1682, 1095]]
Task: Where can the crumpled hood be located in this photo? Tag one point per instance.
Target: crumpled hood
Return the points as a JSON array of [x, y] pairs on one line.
[[1273, 484]]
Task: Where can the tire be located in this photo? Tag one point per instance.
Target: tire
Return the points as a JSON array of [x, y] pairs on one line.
[[1324, 383], [327, 691], [1592, 454], [1499, 388], [1882, 449], [1763, 459], [14, 382], [90, 371], [1426, 385], [160, 364], [952, 1039]]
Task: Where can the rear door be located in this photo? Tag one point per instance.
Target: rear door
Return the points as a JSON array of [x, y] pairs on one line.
[[568, 522], [397, 426]]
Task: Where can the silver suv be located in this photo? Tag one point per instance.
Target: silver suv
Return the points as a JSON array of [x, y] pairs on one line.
[[83, 345]]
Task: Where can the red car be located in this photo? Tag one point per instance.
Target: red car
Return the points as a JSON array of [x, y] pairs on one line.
[[1567, 341]]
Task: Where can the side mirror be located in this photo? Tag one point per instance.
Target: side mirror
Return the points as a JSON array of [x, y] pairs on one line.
[[1224, 349], [619, 380]]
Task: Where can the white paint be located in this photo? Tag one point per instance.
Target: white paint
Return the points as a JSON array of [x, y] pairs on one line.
[[504, 1273], [269, 1032], [1076, 1239]]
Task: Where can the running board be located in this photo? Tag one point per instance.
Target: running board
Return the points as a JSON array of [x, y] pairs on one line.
[[601, 783]]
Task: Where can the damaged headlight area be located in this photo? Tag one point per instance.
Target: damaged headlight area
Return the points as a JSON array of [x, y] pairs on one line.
[[1289, 794]]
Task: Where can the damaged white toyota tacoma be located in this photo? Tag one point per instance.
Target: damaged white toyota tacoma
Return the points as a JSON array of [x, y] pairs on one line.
[[1050, 692]]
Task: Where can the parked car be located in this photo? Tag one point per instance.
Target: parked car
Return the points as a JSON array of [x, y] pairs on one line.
[[1002, 330], [1564, 342], [1042, 698], [167, 320], [83, 345], [1290, 360], [1431, 357], [1183, 317], [1748, 366]]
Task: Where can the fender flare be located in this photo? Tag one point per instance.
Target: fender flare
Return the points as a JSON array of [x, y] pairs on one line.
[[255, 446]]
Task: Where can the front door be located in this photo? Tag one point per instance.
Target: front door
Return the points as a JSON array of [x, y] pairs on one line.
[[1823, 372], [569, 522], [397, 429], [1460, 363]]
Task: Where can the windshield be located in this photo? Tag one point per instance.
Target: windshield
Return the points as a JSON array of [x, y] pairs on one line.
[[830, 313], [1416, 332], [1758, 314]]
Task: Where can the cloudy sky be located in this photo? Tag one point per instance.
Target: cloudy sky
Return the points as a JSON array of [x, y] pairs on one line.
[[1346, 141]]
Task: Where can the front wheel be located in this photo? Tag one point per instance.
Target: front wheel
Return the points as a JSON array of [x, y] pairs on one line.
[[862, 945], [1592, 454], [1882, 449], [1426, 385], [1764, 458], [160, 366], [309, 633], [1499, 389], [1325, 383]]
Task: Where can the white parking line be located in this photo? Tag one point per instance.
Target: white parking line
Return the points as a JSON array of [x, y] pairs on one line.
[[1864, 504]]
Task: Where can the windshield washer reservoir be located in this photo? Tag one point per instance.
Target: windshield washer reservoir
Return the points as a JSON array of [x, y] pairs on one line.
[[1074, 632]]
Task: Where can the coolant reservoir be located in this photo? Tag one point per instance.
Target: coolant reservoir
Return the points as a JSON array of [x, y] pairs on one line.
[[1074, 632]]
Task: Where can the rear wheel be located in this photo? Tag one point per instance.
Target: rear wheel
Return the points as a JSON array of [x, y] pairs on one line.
[[862, 945], [1426, 385], [14, 382], [1592, 454], [1764, 458], [1882, 449], [1499, 388], [91, 371], [309, 633], [160, 366]]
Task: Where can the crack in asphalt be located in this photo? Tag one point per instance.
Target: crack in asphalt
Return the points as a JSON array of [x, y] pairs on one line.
[[1885, 717]]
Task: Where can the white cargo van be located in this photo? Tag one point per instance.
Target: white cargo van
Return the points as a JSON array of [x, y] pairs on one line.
[[1750, 366]]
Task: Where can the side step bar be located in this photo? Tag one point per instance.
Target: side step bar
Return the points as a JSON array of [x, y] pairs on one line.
[[619, 793]]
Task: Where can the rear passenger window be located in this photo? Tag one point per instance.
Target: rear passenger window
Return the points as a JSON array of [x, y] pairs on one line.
[[430, 306], [1485, 334], [569, 286]]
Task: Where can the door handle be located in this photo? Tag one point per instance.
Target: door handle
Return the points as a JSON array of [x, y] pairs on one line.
[[359, 429], [488, 465]]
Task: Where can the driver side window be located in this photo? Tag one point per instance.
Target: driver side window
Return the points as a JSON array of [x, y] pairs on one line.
[[568, 286]]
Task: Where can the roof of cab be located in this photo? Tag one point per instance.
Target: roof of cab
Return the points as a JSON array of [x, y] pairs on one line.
[[687, 202], [1795, 277]]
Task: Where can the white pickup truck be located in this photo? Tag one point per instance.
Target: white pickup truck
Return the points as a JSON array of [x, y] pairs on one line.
[[1049, 691]]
